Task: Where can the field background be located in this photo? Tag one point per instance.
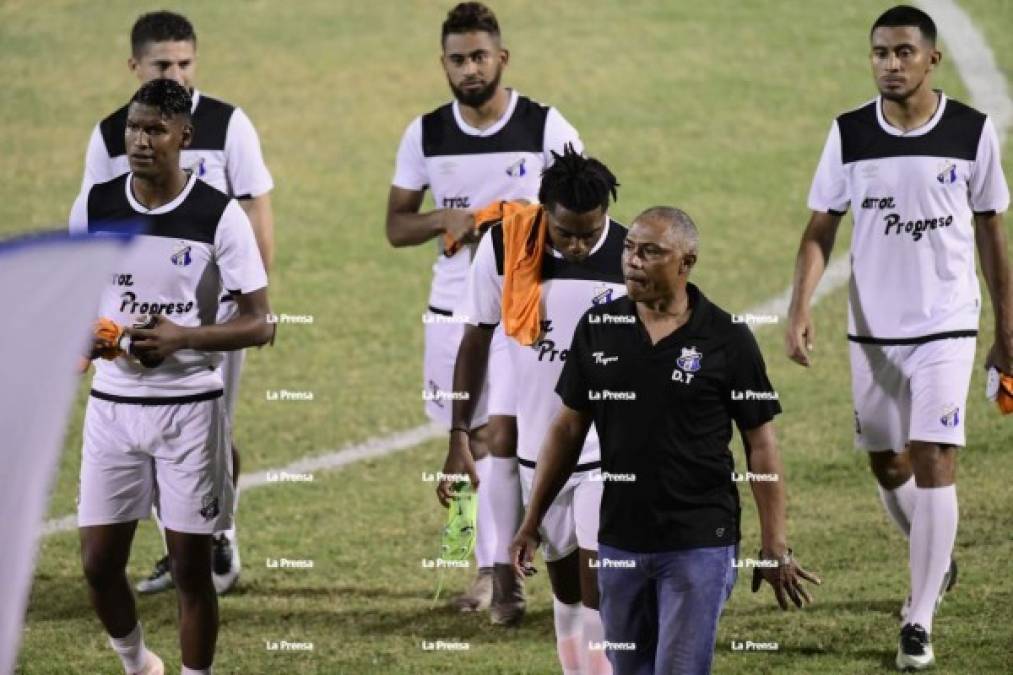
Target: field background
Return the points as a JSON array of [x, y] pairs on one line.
[[720, 108]]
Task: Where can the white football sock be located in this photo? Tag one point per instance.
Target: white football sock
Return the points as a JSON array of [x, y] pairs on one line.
[[504, 497], [485, 535], [933, 532], [567, 619], [130, 649], [900, 504], [197, 671], [595, 660]]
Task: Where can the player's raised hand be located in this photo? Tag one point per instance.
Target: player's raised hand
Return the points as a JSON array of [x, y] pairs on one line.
[[799, 338], [459, 461], [786, 580], [522, 550], [157, 340]]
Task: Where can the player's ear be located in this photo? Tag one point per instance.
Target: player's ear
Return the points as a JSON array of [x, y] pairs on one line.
[[187, 136], [936, 57], [688, 261], [133, 64], [504, 55]]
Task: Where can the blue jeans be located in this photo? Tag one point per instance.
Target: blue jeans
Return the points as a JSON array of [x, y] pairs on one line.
[[660, 610]]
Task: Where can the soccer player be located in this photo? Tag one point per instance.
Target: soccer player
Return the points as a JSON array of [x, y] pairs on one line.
[[156, 432], [922, 173], [225, 152], [488, 144], [662, 373], [577, 257]]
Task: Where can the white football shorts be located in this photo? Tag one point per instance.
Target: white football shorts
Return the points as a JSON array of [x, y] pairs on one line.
[[174, 457], [911, 392], [443, 334], [572, 519]]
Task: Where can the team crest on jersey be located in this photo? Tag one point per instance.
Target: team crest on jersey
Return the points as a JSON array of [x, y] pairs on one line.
[[181, 256], [199, 168], [517, 169], [948, 175], [602, 294], [209, 507], [690, 360], [951, 416]]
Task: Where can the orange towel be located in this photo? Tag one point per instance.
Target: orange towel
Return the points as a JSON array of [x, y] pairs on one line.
[[524, 233], [1005, 398]]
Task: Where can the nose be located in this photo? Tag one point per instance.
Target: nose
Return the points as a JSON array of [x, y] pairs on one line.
[[174, 72], [892, 62]]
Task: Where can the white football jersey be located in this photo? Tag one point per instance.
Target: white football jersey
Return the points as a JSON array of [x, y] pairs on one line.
[[188, 253], [568, 290], [469, 168], [913, 194]]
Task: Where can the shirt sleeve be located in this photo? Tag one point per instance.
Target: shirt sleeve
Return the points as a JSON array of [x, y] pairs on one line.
[[483, 296], [559, 132], [410, 166], [573, 385], [988, 189], [97, 163], [829, 191], [245, 169], [236, 253], [752, 399], [78, 222]]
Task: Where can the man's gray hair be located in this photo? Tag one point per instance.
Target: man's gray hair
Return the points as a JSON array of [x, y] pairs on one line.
[[679, 222]]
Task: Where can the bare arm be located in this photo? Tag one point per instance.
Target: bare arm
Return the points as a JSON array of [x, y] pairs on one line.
[[258, 210], [810, 263], [407, 227], [762, 456], [559, 455], [248, 329], [469, 375], [786, 578], [991, 242]]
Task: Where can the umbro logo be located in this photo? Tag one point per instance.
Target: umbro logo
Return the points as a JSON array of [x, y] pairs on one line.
[[209, 507]]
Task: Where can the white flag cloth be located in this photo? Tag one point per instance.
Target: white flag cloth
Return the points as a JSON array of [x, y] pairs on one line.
[[49, 292]]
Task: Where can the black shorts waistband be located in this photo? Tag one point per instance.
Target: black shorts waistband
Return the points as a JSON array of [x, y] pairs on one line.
[[580, 467], [441, 312], [921, 339], [158, 400]]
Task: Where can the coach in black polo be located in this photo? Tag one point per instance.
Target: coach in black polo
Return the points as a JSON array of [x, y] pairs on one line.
[[662, 374]]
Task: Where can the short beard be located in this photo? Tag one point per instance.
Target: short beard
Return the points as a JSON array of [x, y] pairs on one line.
[[476, 99]]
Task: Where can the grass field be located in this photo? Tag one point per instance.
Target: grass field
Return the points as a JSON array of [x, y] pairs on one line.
[[720, 108]]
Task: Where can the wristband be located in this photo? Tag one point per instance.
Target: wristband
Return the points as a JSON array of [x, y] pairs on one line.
[[461, 429]]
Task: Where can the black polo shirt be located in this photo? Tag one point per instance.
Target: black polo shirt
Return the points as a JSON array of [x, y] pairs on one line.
[[664, 415]]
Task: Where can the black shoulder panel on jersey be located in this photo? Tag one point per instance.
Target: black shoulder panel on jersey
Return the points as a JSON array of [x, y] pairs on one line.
[[210, 124], [605, 264], [955, 136], [112, 129], [523, 132], [196, 219]]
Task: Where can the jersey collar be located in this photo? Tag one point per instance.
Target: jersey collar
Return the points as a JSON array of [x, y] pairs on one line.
[[919, 131], [700, 305], [500, 123], [164, 208], [194, 98]]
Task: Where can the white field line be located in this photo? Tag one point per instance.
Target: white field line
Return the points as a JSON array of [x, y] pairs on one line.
[[987, 86]]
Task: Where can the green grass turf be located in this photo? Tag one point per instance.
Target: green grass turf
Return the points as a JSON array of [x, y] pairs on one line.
[[720, 108]]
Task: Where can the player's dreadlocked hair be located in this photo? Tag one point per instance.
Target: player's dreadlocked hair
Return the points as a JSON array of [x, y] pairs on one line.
[[170, 97], [160, 26], [576, 182], [470, 17], [905, 15]]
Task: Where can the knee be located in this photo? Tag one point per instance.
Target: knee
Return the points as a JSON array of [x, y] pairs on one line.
[[891, 470], [100, 569]]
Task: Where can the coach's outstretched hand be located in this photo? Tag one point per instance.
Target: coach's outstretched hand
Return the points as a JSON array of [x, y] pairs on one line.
[[459, 461], [786, 580]]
